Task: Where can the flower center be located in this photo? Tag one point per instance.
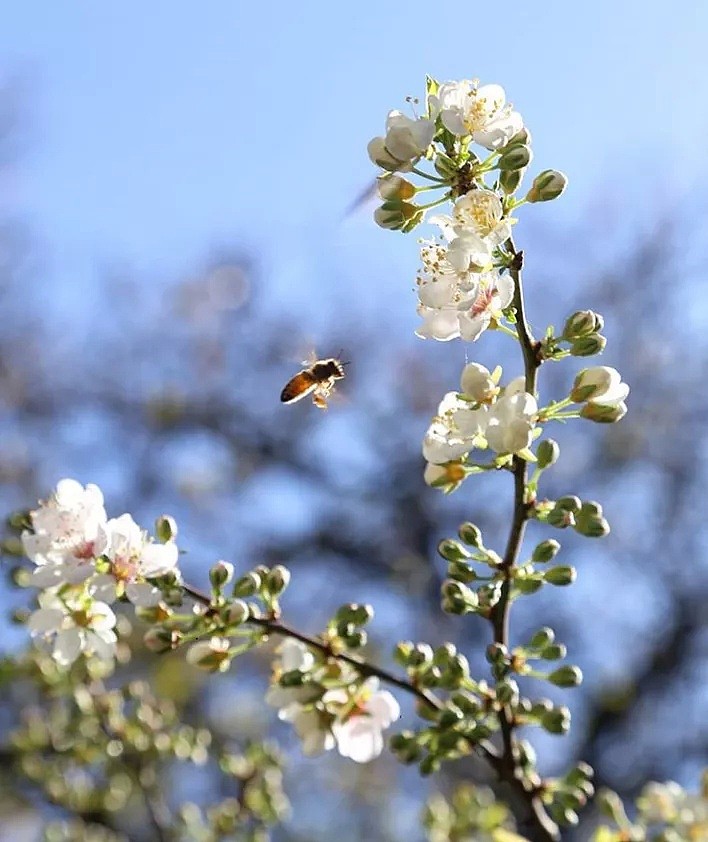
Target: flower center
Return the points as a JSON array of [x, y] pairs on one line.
[[483, 301], [84, 550], [125, 568]]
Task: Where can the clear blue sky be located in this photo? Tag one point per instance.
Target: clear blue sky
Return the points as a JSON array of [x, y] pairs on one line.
[[161, 127]]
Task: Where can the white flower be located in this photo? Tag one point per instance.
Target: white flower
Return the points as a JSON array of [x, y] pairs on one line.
[[406, 139], [477, 383], [454, 431], [74, 627], [210, 655], [494, 294], [511, 420], [466, 109], [293, 656], [312, 726], [133, 557], [600, 384], [481, 212], [359, 728], [448, 476], [63, 535]]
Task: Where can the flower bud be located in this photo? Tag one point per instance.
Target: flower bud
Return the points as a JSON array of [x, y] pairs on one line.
[[161, 640], [236, 613], [560, 518], [588, 346], [547, 453], [165, 529], [497, 653], [452, 550], [582, 323], [566, 676], [396, 215], [547, 185], [604, 414], [529, 584], [569, 503], [460, 571], [553, 652], [592, 526], [457, 598], [556, 720], [394, 187], [580, 773], [248, 585], [221, 573], [405, 746], [595, 383], [546, 550], [543, 637], [356, 639], [561, 575], [450, 717], [379, 155], [477, 383], [507, 691], [470, 534], [402, 653], [522, 136], [515, 156], [610, 805], [422, 654], [447, 477], [356, 613], [563, 815], [212, 656], [509, 180], [277, 580]]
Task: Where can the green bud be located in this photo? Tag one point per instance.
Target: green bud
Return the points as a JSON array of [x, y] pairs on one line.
[[515, 157], [582, 323], [165, 529], [542, 638], [553, 652], [569, 503], [546, 551], [590, 521], [467, 703], [236, 613], [421, 655], [547, 185], [588, 346], [356, 639], [457, 598], [452, 550], [497, 652], [470, 534], [547, 454], [356, 613], [428, 765], [507, 691], [563, 815], [450, 717], [509, 180], [405, 747], [561, 575], [566, 676], [572, 799], [522, 136], [580, 773], [396, 215], [556, 721], [394, 187], [221, 573], [560, 518], [292, 678], [461, 572], [529, 584], [444, 654], [603, 414], [277, 580], [160, 639], [402, 653], [247, 585]]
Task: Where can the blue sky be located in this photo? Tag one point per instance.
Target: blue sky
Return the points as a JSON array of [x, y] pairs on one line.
[[158, 129]]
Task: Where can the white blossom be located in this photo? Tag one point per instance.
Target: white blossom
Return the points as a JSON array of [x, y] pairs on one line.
[[358, 730], [495, 293], [406, 139], [211, 655], [133, 557], [481, 211], [511, 420], [599, 384], [64, 531], [477, 383], [74, 627], [481, 112], [312, 726], [454, 431], [293, 656]]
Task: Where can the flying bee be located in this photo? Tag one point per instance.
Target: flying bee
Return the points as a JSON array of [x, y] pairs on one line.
[[317, 379]]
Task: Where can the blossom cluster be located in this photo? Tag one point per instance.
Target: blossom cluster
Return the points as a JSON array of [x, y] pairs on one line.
[[351, 715], [84, 562]]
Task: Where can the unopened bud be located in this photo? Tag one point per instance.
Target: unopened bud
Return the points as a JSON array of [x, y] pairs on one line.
[[588, 346], [445, 166], [357, 613], [515, 157], [554, 652], [452, 550], [457, 598], [592, 526], [560, 518], [507, 691], [582, 323], [509, 180], [594, 383], [470, 534], [395, 187], [165, 529], [161, 640], [556, 721], [236, 613], [547, 453], [212, 656], [604, 414], [610, 805], [566, 676], [522, 136], [402, 653], [546, 186], [447, 477], [546, 550], [247, 585], [396, 215], [221, 573], [405, 746], [569, 503], [277, 580], [561, 575], [543, 637]]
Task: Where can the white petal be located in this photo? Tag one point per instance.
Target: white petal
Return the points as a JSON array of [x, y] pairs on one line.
[[67, 646], [359, 739], [384, 707], [101, 644], [472, 327], [103, 587], [45, 620], [101, 616], [442, 325], [158, 559], [143, 594]]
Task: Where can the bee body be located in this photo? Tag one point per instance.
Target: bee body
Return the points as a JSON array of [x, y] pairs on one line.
[[317, 380]]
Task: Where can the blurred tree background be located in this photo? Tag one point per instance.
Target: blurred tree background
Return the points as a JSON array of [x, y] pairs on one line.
[[163, 388]]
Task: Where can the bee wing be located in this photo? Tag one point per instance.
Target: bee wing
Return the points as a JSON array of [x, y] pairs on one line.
[[297, 387]]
